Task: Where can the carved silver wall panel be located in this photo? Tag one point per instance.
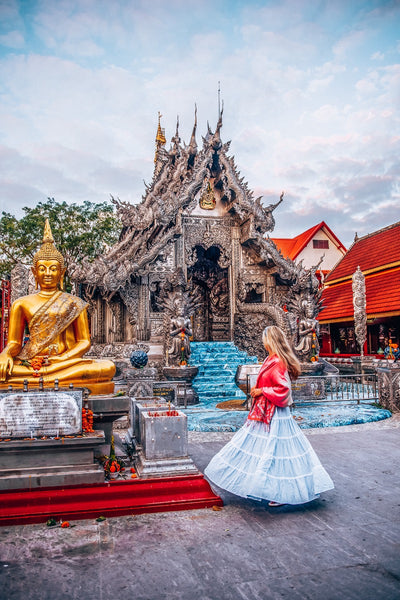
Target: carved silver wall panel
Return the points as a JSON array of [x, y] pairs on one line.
[[117, 333], [207, 232], [389, 387], [165, 260], [143, 324], [157, 325], [130, 295], [19, 282], [140, 381]]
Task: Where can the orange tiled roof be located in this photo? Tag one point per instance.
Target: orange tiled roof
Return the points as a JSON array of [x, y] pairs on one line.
[[285, 245], [370, 252], [383, 292], [337, 302], [382, 295], [291, 247]]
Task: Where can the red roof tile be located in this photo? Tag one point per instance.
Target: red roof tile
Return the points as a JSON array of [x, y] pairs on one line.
[[285, 245], [382, 294], [337, 302], [370, 252]]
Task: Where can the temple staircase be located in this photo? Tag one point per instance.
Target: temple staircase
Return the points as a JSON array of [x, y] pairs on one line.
[[217, 362]]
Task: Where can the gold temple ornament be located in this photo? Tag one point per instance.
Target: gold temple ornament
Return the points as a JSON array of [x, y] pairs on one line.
[[207, 200]]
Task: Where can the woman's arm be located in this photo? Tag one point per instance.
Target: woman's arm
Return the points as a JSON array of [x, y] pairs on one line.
[[276, 385]]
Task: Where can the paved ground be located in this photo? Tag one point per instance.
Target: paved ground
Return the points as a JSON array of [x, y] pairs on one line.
[[345, 545]]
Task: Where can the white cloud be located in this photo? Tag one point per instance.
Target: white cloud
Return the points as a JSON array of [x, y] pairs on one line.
[[377, 56], [348, 44], [9, 11], [12, 39], [79, 108]]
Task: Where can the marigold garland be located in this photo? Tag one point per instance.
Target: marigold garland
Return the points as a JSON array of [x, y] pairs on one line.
[[87, 420], [113, 464]]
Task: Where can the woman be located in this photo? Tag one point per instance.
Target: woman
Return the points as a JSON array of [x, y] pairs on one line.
[[269, 457]]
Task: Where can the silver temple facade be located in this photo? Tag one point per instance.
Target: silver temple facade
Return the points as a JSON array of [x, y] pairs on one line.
[[199, 217]]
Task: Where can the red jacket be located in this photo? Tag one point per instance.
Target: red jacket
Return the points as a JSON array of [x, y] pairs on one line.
[[274, 381]]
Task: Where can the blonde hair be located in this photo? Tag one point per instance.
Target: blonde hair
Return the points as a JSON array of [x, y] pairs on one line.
[[276, 341]]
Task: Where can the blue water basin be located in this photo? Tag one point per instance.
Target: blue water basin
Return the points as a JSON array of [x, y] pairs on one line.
[[310, 416]]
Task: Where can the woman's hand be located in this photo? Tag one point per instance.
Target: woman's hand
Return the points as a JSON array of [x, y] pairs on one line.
[[254, 392]]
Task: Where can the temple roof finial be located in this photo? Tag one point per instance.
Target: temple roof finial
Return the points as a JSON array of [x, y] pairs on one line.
[[220, 113], [160, 137], [215, 138], [176, 139], [175, 150], [193, 143]]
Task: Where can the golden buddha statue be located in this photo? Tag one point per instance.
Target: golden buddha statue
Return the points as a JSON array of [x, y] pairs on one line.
[[58, 332]]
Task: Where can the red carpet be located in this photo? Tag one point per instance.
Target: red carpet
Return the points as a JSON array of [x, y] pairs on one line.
[[116, 498]]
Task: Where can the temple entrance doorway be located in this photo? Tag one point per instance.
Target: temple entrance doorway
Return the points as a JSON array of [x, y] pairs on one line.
[[211, 321]]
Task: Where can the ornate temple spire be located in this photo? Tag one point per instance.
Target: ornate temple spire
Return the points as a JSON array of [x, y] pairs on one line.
[[177, 129], [220, 110], [193, 143], [160, 143], [160, 137], [219, 124], [176, 150], [216, 137]]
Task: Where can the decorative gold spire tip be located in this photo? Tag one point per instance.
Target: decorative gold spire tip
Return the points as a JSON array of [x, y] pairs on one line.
[[47, 235], [48, 251], [160, 137]]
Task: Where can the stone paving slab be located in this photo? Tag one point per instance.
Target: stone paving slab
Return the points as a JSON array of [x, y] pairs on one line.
[[345, 545]]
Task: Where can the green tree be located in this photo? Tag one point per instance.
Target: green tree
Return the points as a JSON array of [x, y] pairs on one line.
[[81, 232]]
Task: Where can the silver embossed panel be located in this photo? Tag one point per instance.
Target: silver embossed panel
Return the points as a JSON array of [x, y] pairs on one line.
[[33, 414]]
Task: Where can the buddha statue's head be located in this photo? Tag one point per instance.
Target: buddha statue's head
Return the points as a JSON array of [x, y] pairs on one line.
[[48, 263]]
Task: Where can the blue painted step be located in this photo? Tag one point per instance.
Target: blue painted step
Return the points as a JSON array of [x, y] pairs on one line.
[[217, 362]]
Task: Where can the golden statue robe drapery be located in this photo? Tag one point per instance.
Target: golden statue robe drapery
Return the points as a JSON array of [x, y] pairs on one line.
[[51, 319]]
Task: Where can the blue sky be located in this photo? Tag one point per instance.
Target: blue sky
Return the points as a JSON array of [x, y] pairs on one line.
[[311, 96]]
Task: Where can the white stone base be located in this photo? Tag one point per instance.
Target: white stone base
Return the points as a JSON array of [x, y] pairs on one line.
[[165, 467]]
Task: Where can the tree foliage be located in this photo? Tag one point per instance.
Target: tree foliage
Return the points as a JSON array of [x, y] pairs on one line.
[[81, 232]]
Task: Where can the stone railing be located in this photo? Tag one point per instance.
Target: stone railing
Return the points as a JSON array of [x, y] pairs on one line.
[[389, 386]]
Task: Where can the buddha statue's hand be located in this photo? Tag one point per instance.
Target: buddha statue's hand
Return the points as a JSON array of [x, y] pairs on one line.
[[6, 365], [57, 360]]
